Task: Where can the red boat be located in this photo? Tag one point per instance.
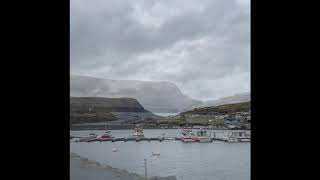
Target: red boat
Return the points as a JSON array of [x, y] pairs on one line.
[[105, 137], [188, 136]]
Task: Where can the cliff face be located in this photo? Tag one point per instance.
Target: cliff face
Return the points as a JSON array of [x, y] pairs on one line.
[[162, 97], [113, 110]]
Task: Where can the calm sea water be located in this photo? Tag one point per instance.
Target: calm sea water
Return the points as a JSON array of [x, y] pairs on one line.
[[187, 161], [166, 114]]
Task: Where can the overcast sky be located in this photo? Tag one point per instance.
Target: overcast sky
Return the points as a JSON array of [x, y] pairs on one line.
[[201, 46]]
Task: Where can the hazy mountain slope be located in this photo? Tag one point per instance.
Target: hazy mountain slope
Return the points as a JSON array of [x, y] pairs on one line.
[[117, 110], [237, 98], [107, 104], [226, 108], [154, 96]]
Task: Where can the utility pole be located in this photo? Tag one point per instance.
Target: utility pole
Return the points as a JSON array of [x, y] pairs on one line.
[[145, 169]]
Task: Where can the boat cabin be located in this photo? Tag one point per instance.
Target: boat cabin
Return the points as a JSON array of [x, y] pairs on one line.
[[202, 133], [235, 136]]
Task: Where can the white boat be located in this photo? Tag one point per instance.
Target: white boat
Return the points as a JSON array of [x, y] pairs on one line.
[[188, 136], [169, 136], [90, 138], [236, 136], [203, 136], [137, 133]]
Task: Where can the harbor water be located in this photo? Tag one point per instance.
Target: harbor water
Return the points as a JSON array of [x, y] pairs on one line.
[[187, 161]]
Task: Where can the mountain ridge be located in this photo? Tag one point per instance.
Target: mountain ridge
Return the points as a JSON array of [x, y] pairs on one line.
[[155, 96], [107, 110], [160, 96], [236, 98]]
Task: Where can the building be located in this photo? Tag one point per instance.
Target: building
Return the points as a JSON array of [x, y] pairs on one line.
[[249, 118], [221, 116]]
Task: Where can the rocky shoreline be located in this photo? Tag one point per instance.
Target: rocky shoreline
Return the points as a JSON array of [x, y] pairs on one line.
[[84, 169]]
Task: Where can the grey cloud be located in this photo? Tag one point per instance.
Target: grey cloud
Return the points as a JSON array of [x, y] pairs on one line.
[[112, 39]]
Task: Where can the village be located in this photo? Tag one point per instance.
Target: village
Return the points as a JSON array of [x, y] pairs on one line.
[[232, 116], [212, 120]]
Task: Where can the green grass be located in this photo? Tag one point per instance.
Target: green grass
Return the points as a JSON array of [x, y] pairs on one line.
[[227, 108]]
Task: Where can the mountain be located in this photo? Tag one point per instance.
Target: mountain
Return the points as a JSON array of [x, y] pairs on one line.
[[237, 98], [160, 97], [110, 110], [226, 108]]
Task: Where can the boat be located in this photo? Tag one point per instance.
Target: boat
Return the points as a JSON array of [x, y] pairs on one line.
[[203, 136], [155, 154], [169, 136], [137, 133], [236, 136], [188, 136], [105, 137], [90, 138]]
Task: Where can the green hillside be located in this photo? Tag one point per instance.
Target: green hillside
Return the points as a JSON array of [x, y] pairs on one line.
[[226, 108]]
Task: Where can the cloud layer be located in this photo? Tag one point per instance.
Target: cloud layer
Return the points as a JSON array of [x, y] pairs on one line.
[[203, 47]]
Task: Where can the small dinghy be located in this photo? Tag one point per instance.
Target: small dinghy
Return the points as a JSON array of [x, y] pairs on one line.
[[114, 150]]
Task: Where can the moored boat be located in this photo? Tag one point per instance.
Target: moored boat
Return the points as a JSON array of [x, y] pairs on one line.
[[90, 138], [137, 133], [105, 137], [203, 136], [236, 136], [188, 136]]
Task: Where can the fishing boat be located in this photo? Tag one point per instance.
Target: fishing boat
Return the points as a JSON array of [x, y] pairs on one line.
[[155, 154], [90, 138], [188, 136], [137, 132], [236, 136], [203, 136], [105, 137], [169, 136]]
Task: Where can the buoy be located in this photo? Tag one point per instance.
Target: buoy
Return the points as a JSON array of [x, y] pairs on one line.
[[114, 149]]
